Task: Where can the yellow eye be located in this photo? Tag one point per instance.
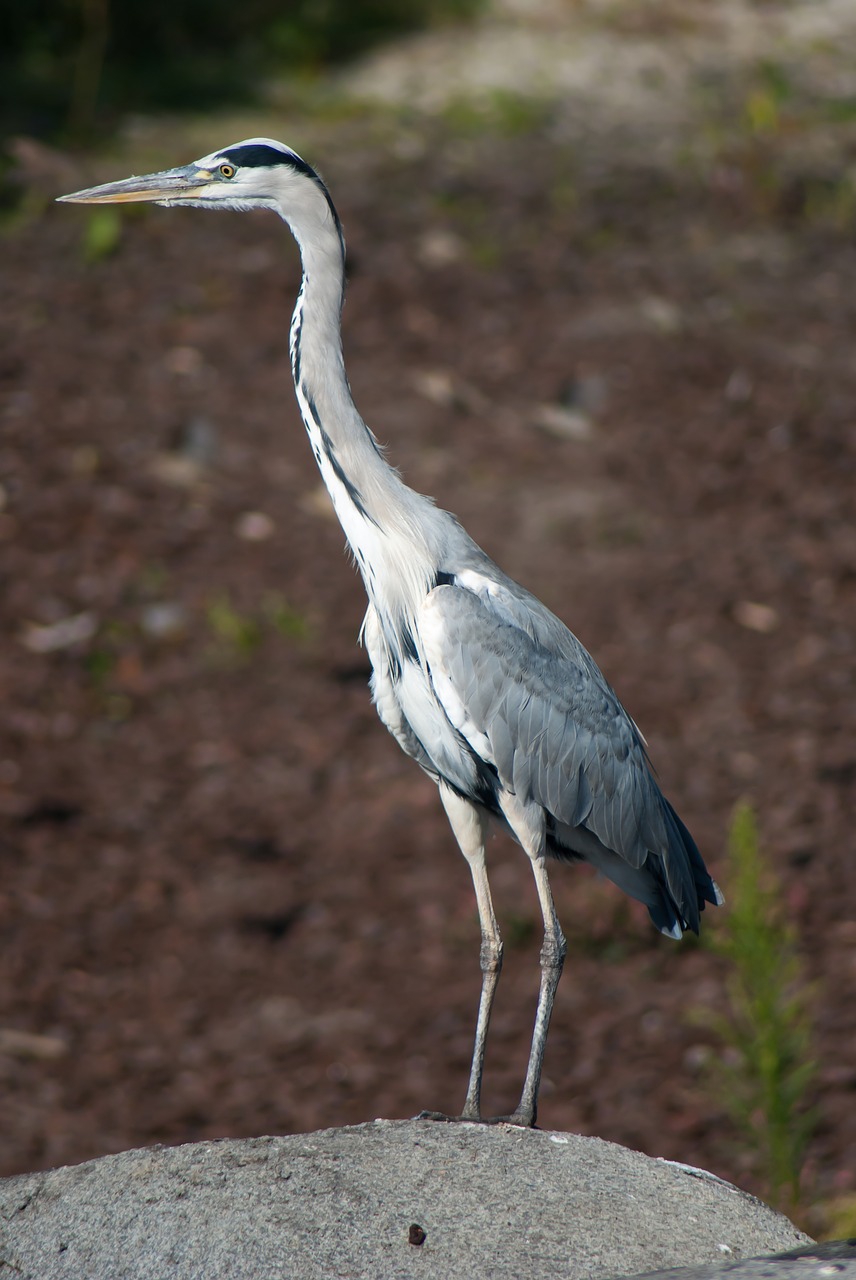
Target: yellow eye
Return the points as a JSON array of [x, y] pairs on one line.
[[226, 171]]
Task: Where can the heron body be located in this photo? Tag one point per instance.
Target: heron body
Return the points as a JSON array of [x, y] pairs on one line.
[[479, 682]]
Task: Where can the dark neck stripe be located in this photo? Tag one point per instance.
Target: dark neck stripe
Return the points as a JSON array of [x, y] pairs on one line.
[[330, 453]]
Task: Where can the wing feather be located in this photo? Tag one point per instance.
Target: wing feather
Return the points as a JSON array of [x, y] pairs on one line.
[[553, 728], [529, 699]]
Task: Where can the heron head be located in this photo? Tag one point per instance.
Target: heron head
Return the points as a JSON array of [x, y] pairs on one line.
[[254, 174]]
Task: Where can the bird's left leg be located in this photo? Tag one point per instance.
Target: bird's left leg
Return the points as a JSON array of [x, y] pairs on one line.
[[528, 825], [469, 825]]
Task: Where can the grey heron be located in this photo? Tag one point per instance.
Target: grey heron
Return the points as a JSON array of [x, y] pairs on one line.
[[476, 679]]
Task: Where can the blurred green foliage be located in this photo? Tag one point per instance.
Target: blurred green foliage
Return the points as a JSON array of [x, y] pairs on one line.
[[284, 619], [765, 1076], [239, 634], [65, 64], [102, 234]]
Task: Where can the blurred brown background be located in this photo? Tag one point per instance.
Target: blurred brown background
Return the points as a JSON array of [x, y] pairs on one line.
[[602, 306]]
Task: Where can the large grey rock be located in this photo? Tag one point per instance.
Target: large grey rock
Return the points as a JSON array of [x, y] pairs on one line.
[[833, 1260], [492, 1202]]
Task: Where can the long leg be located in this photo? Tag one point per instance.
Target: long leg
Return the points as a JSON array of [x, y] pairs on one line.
[[552, 962], [528, 826], [468, 824]]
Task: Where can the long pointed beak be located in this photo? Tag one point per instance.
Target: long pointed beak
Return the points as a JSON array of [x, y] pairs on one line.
[[172, 184]]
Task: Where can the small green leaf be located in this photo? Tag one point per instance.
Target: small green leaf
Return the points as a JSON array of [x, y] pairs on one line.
[[240, 633], [102, 235]]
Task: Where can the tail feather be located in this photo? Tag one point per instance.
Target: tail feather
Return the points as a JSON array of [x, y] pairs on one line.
[[673, 883], [683, 881]]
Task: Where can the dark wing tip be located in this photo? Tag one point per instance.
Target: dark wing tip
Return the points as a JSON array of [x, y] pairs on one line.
[[683, 880]]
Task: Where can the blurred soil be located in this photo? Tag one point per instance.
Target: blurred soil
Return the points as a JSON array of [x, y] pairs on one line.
[[229, 904]]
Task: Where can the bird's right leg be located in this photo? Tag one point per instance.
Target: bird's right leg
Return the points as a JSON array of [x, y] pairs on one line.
[[469, 825]]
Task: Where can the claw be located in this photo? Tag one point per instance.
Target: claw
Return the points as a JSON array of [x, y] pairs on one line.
[[519, 1120]]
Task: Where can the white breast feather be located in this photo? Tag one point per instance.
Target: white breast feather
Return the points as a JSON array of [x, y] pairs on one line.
[[432, 630]]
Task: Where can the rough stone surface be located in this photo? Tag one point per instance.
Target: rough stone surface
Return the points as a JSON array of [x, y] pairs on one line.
[[497, 1202], [833, 1259]]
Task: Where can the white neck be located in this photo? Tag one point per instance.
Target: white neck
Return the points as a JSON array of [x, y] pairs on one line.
[[384, 521]]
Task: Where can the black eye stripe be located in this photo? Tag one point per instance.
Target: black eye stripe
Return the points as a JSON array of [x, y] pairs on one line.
[[256, 155]]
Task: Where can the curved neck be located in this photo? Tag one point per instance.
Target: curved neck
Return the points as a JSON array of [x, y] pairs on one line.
[[342, 443], [384, 521]]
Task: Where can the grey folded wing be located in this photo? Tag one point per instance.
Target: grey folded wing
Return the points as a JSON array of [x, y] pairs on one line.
[[532, 702]]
